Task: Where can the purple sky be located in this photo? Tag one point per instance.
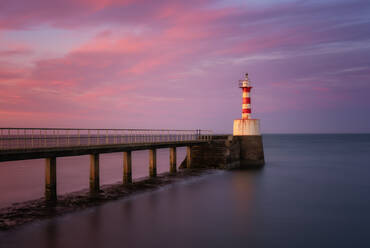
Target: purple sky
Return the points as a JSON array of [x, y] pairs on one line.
[[176, 64]]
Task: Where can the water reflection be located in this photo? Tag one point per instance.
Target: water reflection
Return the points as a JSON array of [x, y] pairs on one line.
[[51, 234]]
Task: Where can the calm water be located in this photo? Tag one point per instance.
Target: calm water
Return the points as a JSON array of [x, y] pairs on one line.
[[313, 192]]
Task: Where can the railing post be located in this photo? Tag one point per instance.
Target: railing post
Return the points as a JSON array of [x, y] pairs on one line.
[[188, 157], [94, 174], [127, 171], [152, 163], [50, 179], [57, 137], [45, 138], [31, 137], [18, 139], [25, 138], [9, 141], [39, 140], [173, 159]]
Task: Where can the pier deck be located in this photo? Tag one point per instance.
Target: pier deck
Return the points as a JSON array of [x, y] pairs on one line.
[[36, 153]]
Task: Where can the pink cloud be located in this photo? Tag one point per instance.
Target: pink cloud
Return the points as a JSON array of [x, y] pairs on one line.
[[14, 51], [178, 61]]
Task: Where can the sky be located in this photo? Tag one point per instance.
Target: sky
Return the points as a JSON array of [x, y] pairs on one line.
[[176, 64]]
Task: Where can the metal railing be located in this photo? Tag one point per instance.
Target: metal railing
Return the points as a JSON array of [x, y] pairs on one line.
[[30, 138]]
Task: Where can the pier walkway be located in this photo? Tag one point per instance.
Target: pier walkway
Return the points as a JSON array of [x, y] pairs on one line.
[[50, 143]]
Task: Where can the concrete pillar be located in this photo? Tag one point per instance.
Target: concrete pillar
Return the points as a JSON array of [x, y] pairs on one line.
[[127, 171], [251, 151], [173, 159], [188, 157], [94, 173], [152, 163], [51, 179]]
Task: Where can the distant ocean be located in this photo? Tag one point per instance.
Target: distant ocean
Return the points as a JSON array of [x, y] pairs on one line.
[[313, 192]]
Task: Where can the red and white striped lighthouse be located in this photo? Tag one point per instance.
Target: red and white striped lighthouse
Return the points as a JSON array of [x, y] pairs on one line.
[[246, 106], [246, 125], [247, 131]]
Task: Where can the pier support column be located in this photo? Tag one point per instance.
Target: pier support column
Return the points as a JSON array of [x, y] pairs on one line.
[[188, 157], [152, 163], [251, 151], [94, 174], [51, 179], [127, 171], [173, 160]]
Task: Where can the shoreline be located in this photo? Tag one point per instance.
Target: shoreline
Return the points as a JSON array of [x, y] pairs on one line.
[[29, 211]]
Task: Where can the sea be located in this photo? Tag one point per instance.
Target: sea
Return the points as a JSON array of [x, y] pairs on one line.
[[314, 191]]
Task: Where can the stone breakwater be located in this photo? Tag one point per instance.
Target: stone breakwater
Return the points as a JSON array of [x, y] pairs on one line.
[[228, 152]]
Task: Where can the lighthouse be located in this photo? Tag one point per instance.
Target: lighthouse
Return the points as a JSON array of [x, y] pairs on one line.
[[246, 125], [242, 150], [247, 130]]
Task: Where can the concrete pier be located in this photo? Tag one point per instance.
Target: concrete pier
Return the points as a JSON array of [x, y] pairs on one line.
[[251, 151], [152, 162], [227, 152], [50, 155], [127, 167], [173, 158], [50, 179], [188, 157], [223, 152], [94, 174]]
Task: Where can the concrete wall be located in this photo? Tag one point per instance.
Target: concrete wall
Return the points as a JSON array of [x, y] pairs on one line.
[[227, 152], [251, 151]]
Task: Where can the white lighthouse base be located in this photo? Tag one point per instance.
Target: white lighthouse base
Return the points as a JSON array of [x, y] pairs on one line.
[[247, 132], [246, 127]]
